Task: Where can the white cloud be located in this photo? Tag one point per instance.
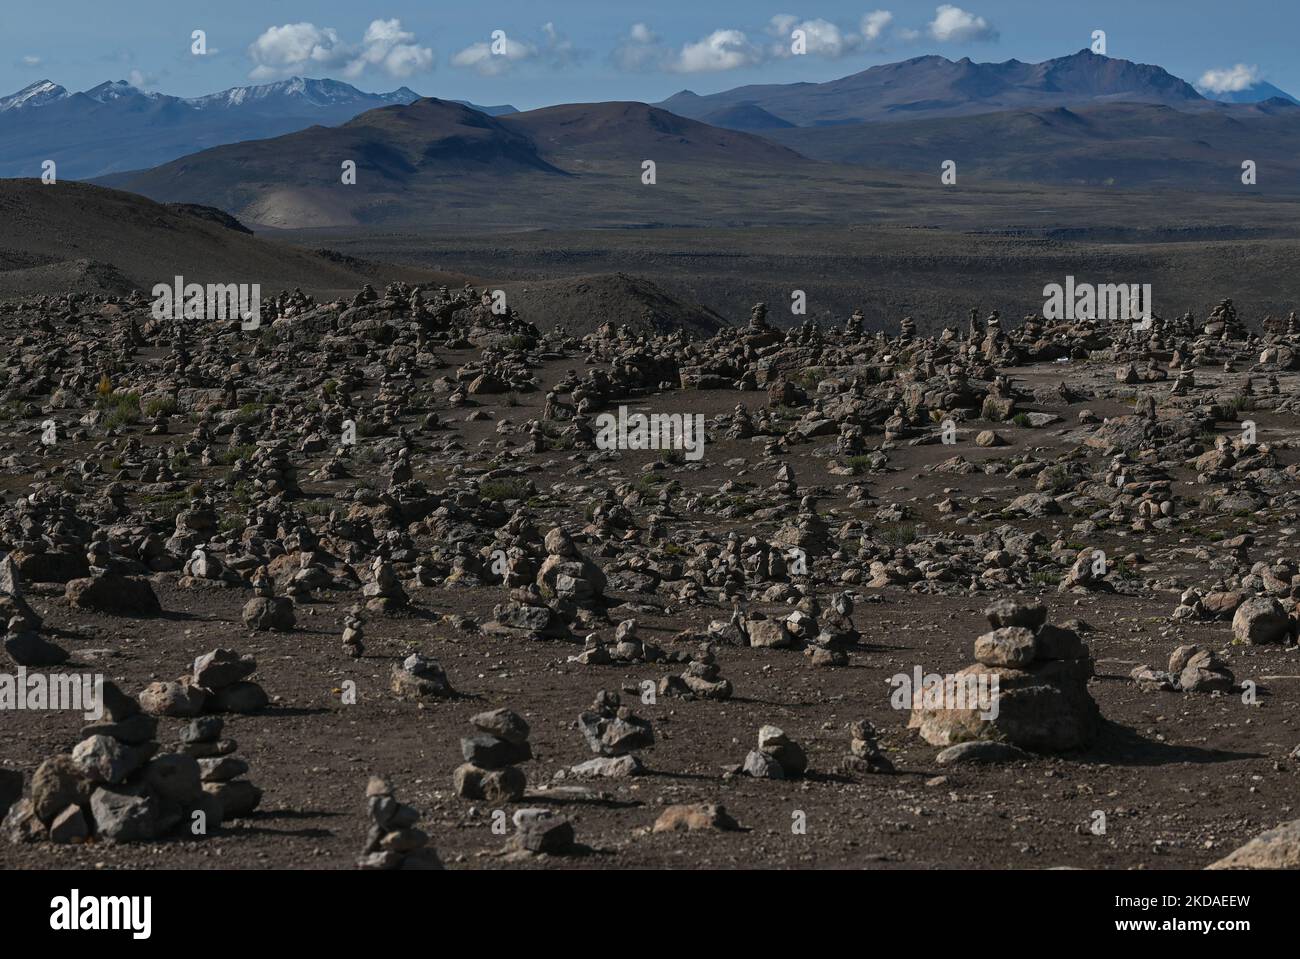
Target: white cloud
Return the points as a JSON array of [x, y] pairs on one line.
[[296, 48], [387, 46], [558, 50], [874, 24], [821, 37], [1229, 79], [481, 58], [497, 56], [720, 50], [955, 25], [141, 80], [32, 61], [639, 50]]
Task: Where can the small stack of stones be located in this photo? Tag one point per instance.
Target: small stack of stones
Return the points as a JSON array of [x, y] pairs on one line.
[[266, 611], [420, 676], [218, 684], [777, 756], [384, 593], [613, 733], [491, 756], [219, 768], [393, 841], [702, 678], [353, 633], [865, 755]]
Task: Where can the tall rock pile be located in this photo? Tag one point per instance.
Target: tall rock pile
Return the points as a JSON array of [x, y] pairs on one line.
[[393, 841], [491, 755], [113, 785], [1041, 701]]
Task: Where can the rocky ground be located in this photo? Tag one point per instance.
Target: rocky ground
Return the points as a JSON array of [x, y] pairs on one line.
[[369, 592]]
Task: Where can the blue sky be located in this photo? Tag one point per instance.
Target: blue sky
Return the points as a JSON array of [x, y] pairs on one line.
[[581, 50]]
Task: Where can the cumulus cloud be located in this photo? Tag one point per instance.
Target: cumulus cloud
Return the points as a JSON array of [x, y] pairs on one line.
[[390, 48], [720, 50], [821, 37], [955, 25], [295, 48], [730, 49], [141, 80], [639, 50], [501, 53], [875, 23], [1229, 79]]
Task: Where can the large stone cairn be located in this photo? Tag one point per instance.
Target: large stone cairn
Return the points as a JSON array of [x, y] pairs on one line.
[[393, 841], [1042, 701], [218, 684], [491, 755], [113, 785]]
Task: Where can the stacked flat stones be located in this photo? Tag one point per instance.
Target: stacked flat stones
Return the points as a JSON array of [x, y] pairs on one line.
[[218, 684], [491, 755], [113, 786], [777, 756], [614, 733], [1042, 672], [219, 768], [393, 841]]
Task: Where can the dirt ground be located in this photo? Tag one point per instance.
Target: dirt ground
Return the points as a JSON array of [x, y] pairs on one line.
[[1181, 779]]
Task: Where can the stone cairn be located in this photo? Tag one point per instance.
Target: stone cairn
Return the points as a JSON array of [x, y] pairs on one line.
[[491, 756], [393, 841], [266, 611], [420, 677], [614, 733], [20, 624], [865, 755], [777, 756], [219, 769], [353, 633], [114, 785], [1041, 702], [702, 678], [218, 684]]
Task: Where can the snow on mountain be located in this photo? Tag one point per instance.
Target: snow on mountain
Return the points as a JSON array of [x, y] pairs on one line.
[[37, 94]]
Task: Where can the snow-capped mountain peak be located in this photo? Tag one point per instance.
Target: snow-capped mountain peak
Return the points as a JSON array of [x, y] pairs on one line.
[[34, 95]]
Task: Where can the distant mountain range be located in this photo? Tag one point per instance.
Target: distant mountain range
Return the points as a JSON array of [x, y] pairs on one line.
[[433, 160], [934, 86], [115, 126], [757, 154], [1254, 93]]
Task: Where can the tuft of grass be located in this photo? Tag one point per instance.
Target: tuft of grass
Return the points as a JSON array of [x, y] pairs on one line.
[[900, 534], [160, 406], [119, 409], [858, 464], [498, 490]]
